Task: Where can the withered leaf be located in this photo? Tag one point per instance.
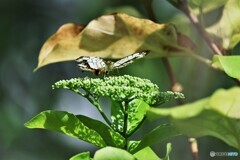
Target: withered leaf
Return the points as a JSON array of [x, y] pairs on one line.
[[114, 36]]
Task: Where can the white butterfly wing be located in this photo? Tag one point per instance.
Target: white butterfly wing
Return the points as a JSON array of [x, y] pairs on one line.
[[93, 64], [129, 59], [98, 65]]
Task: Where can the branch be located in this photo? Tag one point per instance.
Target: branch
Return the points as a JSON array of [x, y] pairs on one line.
[[175, 85], [194, 147], [193, 18]]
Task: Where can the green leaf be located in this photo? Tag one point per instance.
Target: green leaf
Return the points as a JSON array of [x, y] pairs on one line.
[[229, 64], [206, 5], [196, 5], [65, 123], [180, 112], [146, 153], [217, 116], [114, 36], [110, 137], [111, 153], [226, 102], [211, 123], [158, 134], [81, 156], [117, 116], [136, 112], [226, 30]]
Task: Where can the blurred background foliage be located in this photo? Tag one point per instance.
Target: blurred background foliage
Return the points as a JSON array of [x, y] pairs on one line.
[[24, 27]]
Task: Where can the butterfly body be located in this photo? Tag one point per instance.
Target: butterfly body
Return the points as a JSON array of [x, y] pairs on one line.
[[97, 65]]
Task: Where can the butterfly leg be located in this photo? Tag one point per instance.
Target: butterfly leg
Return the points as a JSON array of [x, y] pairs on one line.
[[105, 74]]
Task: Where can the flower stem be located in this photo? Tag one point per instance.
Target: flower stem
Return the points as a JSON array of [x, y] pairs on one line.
[[97, 105], [124, 134]]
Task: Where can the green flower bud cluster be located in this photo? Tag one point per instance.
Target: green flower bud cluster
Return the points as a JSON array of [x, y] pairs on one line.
[[120, 88]]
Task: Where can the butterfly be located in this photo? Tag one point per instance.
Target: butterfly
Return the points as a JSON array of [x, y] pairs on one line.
[[98, 65]]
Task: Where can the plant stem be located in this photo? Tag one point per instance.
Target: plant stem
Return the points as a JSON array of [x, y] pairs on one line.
[[125, 112], [183, 5], [125, 121], [202, 59], [175, 85], [194, 147], [96, 104], [193, 18]]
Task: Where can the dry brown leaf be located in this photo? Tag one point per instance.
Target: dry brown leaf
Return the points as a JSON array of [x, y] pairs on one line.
[[113, 37]]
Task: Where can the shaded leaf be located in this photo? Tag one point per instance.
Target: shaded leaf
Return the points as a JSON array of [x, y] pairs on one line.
[[65, 123], [229, 64], [217, 116], [114, 36], [129, 10], [146, 153], [226, 31], [110, 137], [136, 112], [158, 134], [111, 153], [81, 156]]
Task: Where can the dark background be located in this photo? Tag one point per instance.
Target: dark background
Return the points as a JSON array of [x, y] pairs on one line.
[[26, 24]]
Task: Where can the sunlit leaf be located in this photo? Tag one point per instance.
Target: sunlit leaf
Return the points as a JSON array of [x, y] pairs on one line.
[[136, 113], [111, 153], [67, 124], [117, 116], [146, 153], [226, 102], [217, 116], [180, 112], [110, 137], [61, 46], [81, 156], [114, 36], [229, 64], [226, 30], [162, 132]]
